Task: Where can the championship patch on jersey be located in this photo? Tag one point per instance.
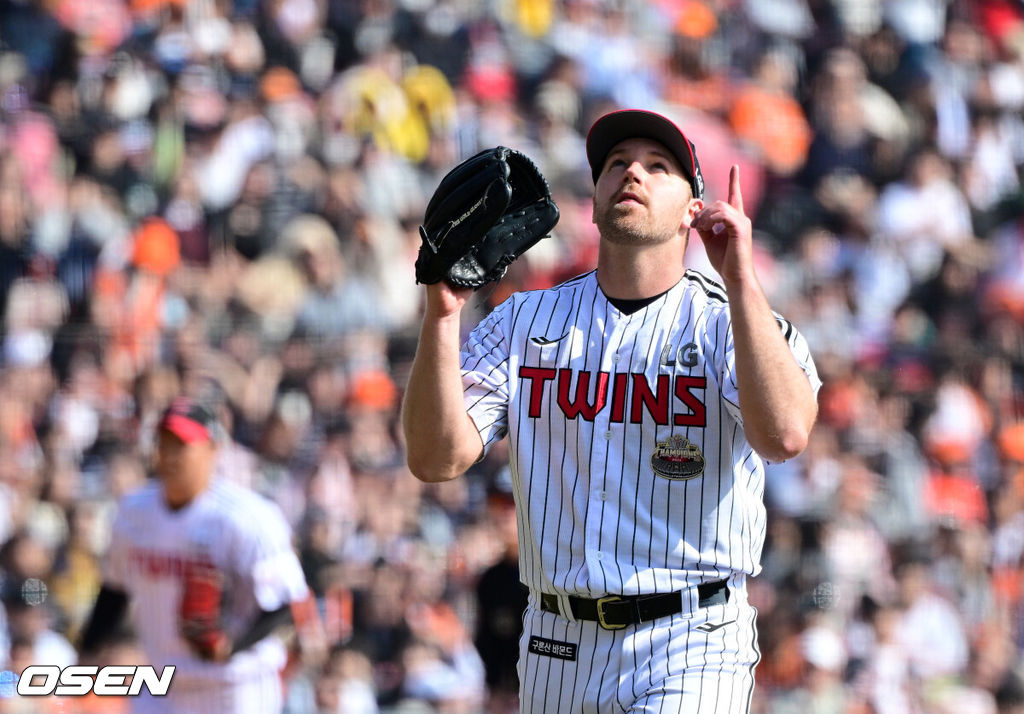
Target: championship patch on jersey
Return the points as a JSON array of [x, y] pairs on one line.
[[553, 648], [677, 459]]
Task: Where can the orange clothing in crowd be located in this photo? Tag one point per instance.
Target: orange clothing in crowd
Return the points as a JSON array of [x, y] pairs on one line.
[[955, 496], [774, 123]]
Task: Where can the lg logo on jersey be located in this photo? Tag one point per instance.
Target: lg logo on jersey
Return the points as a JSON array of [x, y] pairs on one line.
[[685, 356], [76, 681], [629, 396]]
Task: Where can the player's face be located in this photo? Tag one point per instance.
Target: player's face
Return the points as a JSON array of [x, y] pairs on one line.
[[184, 467], [642, 195]]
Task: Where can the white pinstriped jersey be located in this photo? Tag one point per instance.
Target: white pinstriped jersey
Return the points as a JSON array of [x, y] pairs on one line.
[[608, 416], [247, 539]]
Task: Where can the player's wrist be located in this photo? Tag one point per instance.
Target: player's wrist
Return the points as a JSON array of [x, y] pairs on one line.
[[442, 316], [214, 646], [444, 303], [740, 281], [224, 649]]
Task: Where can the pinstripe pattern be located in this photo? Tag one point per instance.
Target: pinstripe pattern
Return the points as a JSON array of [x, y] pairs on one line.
[[663, 666], [594, 517], [247, 539], [586, 394]]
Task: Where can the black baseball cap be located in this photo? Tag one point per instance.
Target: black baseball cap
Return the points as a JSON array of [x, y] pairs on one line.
[[617, 126], [189, 420]]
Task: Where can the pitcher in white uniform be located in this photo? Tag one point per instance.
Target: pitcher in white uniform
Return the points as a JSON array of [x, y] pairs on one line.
[[184, 520], [641, 401]]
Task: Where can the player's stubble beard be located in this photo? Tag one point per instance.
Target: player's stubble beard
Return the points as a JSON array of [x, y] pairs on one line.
[[635, 225]]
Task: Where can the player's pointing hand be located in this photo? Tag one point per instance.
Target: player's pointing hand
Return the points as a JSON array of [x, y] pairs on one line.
[[735, 195], [727, 233]]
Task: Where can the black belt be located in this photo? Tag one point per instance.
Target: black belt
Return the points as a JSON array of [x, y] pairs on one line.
[[613, 612]]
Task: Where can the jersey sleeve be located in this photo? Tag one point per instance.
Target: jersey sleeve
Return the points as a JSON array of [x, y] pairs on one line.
[[725, 358], [269, 561], [801, 351], [485, 371]]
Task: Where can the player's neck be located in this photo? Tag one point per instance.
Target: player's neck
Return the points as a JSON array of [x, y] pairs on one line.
[[177, 502], [633, 273], [181, 494]]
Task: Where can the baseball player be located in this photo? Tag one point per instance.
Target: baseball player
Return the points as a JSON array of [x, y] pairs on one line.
[[210, 573], [641, 401]]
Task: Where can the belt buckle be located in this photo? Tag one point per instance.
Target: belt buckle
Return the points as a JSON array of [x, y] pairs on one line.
[[600, 612]]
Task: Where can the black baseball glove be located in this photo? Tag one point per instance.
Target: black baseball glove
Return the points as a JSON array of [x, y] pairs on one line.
[[484, 214]]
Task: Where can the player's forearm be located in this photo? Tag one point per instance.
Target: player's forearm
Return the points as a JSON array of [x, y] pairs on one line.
[[441, 440], [776, 399]]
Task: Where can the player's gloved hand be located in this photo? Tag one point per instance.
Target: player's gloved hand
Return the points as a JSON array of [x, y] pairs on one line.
[[484, 214], [202, 599]]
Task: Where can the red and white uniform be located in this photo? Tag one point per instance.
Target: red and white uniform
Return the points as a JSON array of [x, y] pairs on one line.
[[247, 539]]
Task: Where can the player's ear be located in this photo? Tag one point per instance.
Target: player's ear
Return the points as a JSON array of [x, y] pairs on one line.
[[694, 206]]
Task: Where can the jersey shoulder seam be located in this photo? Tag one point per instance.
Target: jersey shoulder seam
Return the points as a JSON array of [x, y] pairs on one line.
[[570, 283], [239, 495], [711, 288], [249, 507], [523, 296], [140, 497], [520, 299]]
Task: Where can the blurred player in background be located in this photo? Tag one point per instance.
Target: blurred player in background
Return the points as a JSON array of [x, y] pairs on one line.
[[209, 571]]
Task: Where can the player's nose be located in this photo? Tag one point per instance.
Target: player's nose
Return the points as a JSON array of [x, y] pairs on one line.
[[633, 173]]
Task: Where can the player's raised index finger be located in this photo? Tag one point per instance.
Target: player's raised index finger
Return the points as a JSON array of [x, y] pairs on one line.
[[735, 196]]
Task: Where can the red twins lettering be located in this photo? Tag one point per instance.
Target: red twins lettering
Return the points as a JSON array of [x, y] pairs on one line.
[[157, 564], [697, 416], [644, 398], [657, 401], [579, 405], [619, 392], [537, 393]]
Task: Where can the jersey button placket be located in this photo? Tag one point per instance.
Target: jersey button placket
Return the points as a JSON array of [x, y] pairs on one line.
[[603, 455]]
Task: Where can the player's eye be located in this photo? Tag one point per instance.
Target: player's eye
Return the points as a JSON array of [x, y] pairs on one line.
[[659, 167]]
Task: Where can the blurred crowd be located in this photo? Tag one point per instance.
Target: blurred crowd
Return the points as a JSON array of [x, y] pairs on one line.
[[221, 197]]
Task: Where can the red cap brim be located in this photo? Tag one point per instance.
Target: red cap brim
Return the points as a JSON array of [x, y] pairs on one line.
[[185, 429]]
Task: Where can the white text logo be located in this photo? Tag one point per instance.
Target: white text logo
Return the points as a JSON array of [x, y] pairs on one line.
[[40, 680]]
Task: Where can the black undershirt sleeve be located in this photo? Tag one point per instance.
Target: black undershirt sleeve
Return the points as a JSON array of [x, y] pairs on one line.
[[106, 619], [263, 625], [108, 616]]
